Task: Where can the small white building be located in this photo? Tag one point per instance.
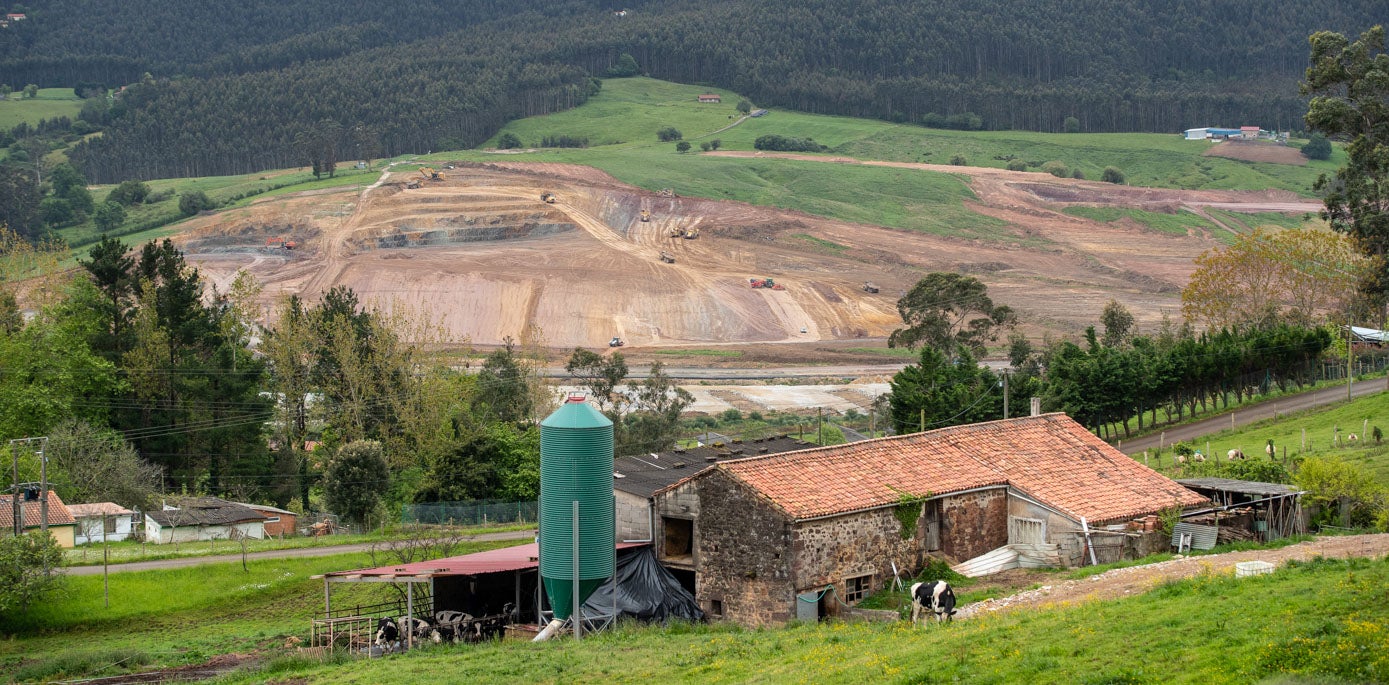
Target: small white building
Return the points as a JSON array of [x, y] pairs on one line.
[[203, 518], [102, 521], [1197, 133]]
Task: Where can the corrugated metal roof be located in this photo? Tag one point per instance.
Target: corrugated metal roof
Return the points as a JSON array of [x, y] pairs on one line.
[[644, 474], [1245, 487], [492, 561], [205, 511]]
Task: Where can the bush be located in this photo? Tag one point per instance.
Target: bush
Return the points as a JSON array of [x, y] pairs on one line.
[[192, 202], [787, 144], [754, 416], [715, 144], [705, 146], [1317, 147], [669, 134], [23, 561], [109, 216], [1017, 165], [1057, 168], [564, 141], [508, 141], [1071, 125], [683, 146], [958, 160], [1112, 175], [130, 192], [744, 106], [1329, 481], [1078, 174], [731, 415]]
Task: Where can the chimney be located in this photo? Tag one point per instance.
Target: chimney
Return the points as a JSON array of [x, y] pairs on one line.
[[1036, 406]]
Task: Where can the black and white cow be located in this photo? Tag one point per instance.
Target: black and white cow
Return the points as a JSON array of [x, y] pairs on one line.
[[448, 626], [420, 628], [935, 597], [387, 633]]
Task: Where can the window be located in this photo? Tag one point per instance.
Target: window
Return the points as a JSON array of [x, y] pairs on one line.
[[716, 607], [276, 519], [110, 524], [855, 589]]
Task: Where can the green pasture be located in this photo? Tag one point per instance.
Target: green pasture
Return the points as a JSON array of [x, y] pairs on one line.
[[1322, 427], [1330, 621], [50, 103], [177, 616], [1181, 223]]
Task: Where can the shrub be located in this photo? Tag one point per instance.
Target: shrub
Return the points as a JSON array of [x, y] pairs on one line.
[[1317, 147], [130, 192], [744, 106], [1071, 125], [669, 134], [731, 415], [1017, 165], [958, 160], [1112, 175], [715, 144], [195, 201], [508, 141], [682, 146], [1057, 168], [705, 146], [564, 141], [787, 144], [354, 481], [1078, 174], [755, 416]]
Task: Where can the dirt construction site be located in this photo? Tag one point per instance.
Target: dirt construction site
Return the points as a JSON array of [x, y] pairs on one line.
[[483, 254]]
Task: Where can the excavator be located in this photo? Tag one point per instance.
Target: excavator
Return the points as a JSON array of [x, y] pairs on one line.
[[431, 174]]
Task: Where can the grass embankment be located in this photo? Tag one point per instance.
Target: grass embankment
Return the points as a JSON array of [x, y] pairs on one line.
[[1359, 416], [178, 616], [1323, 618], [131, 550], [50, 103]]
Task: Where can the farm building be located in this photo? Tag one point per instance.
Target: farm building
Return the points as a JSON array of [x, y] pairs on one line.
[[776, 537], [203, 518], [102, 522], [710, 97], [636, 478], [60, 521], [1197, 133], [278, 522], [1249, 132], [1241, 510]]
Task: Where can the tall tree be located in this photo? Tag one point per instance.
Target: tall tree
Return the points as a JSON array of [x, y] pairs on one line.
[[19, 201], [939, 391], [950, 311], [111, 268], [1349, 85]]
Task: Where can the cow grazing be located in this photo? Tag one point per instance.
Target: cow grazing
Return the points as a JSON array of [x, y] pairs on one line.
[[935, 597], [1197, 456], [387, 633], [1234, 454]]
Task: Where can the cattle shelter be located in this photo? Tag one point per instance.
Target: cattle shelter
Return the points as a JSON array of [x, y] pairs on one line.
[[1248, 510]]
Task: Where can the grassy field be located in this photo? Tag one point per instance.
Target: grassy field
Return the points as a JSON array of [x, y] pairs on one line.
[[627, 113], [1331, 619], [1181, 223], [1320, 425], [50, 103], [175, 617]]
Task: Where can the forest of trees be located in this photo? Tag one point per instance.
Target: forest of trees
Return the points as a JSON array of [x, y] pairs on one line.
[[233, 85]]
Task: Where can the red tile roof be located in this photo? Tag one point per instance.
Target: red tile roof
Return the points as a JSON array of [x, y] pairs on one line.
[[98, 509], [1050, 457], [32, 512]]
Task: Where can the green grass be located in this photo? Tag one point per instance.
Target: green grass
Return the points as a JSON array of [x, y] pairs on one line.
[[1286, 432], [130, 550], [1330, 618], [50, 103], [820, 243], [699, 353], [1181, 223], [898, 352], [178, 616]]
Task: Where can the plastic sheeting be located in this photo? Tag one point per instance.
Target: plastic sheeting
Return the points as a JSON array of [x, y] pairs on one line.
[[646, 591]]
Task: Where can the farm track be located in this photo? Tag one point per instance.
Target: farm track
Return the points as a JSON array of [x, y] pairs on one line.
[[1135, 580]]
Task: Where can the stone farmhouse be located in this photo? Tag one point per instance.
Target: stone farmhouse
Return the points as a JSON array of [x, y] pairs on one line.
[[780, 536]]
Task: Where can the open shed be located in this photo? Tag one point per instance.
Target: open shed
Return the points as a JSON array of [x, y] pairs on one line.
[[1267, 511]]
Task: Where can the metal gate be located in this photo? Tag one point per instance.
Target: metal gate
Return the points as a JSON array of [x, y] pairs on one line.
[[1022, 531]]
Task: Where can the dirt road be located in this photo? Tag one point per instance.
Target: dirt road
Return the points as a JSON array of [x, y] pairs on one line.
[[1244, 417], [299, 553], [1134, 580]]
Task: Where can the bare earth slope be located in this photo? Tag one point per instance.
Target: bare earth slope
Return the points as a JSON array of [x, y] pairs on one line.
[[482, 254]]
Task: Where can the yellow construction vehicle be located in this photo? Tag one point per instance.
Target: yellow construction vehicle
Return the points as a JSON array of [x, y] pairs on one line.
[[431, 174], [691, 233], [645, 215], [548, 197]]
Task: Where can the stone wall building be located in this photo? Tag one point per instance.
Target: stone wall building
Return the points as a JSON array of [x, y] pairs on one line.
[[800, 534]]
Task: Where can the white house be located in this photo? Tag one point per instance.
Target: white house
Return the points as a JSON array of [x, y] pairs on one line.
[[203, 518], [106, 521]]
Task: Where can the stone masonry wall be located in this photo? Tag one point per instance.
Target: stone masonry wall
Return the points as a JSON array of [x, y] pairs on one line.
[[742, 551], [974, 523]]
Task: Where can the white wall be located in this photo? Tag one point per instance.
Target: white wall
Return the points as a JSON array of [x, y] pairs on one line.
[[166, 534], [94, 527]]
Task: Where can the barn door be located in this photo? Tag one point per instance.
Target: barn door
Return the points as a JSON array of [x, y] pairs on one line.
[[931, 522], [1023, 531]]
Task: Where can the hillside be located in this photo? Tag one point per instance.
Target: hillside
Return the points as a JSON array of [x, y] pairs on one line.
[[231, 88]]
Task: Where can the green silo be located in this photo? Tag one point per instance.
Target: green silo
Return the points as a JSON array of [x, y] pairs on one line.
[[576, 465]]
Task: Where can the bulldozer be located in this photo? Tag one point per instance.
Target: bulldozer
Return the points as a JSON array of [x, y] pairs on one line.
[[667, 257], [616, 342], [431, 174], [548, 198], [412, 184], [868, 287], [645, 215], [691, 233]]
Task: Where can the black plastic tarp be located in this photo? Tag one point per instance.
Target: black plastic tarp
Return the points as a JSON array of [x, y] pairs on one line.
[[646, 591]]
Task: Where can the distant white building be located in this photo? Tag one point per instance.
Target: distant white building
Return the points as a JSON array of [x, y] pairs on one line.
[[1197, 133], [203, 518], [102, 521]]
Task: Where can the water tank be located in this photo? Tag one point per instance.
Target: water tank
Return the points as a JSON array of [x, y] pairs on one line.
[[576, 465]]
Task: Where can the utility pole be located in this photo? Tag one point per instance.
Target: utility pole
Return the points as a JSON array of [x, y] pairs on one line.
[[1005, 393], [43, 482]]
